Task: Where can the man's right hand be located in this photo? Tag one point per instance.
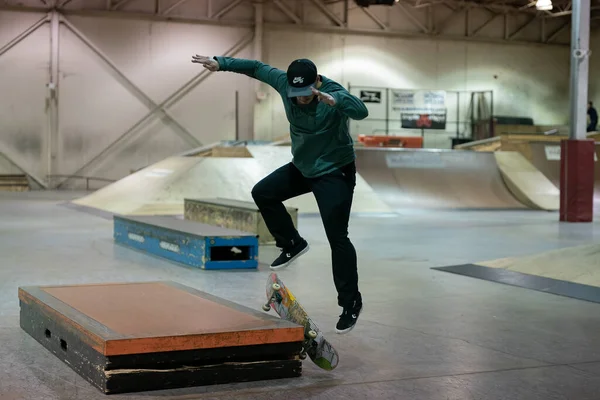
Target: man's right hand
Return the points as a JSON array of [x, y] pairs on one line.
[[209, 63]]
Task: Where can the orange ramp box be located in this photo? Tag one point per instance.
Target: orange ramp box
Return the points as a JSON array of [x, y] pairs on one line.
[[408, 142], [133, 337]]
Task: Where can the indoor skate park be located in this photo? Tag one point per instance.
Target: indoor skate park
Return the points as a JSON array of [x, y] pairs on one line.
[[135, 263]]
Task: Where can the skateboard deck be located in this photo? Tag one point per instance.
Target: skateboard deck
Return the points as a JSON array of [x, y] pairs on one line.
[[320, 351]]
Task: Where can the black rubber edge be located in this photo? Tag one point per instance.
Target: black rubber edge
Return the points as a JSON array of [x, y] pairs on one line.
[[534, 282]]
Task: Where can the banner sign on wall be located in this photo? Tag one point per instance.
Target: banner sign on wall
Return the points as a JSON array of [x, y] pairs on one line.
[[423, 121], [370, 96], [421, 109], [553, 153]]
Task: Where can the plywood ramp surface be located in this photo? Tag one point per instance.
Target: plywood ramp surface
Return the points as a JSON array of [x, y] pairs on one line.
[[421, 178], [580, 264], [139, 189], [526, 182], [161, 188], [546, 158], [151, 317]]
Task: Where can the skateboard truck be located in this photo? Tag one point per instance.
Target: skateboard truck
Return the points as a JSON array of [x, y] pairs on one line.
[[309, 339], [267, 306]]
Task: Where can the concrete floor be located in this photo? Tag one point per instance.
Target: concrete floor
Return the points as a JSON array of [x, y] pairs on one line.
[[424, 334]]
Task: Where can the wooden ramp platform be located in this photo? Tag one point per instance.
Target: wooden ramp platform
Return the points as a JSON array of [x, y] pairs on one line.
[[132, 337], [187, 242]]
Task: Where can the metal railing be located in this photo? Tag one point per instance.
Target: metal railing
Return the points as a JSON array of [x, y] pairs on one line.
[[86, 178]]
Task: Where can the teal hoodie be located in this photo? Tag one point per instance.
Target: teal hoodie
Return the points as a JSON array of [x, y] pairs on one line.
[[319, 132]]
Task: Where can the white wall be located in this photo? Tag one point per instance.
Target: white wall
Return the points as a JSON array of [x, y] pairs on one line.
[[96, 106], [526, 81], [23, 74], [594, 67]]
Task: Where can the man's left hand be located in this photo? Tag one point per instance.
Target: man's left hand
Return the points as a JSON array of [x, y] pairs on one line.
[[324, 97]]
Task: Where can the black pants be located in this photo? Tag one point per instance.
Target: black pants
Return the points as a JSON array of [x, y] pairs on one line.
[[591, 127], [333, 193]]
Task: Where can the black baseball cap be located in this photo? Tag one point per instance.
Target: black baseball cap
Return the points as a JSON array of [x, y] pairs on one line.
[[301, 76]]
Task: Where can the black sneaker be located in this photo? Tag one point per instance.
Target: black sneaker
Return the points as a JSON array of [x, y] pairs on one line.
[[348, 318], [290, 254]]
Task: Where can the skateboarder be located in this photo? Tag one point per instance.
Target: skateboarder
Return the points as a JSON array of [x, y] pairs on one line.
[[593, 117], [318, 110]]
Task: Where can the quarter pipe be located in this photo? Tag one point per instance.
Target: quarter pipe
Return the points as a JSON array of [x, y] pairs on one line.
[[546, 157], [443, 179]]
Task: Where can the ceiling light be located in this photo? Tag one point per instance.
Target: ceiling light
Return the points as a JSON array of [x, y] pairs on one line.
[[543, 5]]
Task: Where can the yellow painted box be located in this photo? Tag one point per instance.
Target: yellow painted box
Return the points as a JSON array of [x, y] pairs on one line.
[[232, 214]]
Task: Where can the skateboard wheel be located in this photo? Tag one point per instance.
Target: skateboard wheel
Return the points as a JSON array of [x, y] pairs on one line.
[[302, 356], [276, 286], [266, 307], [312, 334]]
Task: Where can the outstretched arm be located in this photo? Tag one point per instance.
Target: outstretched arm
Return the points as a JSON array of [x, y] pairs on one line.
[[274, 77], [348, 104]]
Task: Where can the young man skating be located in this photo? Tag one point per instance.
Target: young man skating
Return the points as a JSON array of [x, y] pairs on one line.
[[318, 110]]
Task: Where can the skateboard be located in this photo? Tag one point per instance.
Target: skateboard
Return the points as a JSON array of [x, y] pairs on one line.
[[320, 351]]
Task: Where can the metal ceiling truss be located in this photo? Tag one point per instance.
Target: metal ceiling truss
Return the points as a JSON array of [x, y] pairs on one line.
[[55, 17], [424, 18]]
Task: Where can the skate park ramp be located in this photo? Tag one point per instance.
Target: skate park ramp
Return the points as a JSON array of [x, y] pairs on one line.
[[573, 271], [541, 150], [546, 158], [227, 172], [449, 179], [526, 182]]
